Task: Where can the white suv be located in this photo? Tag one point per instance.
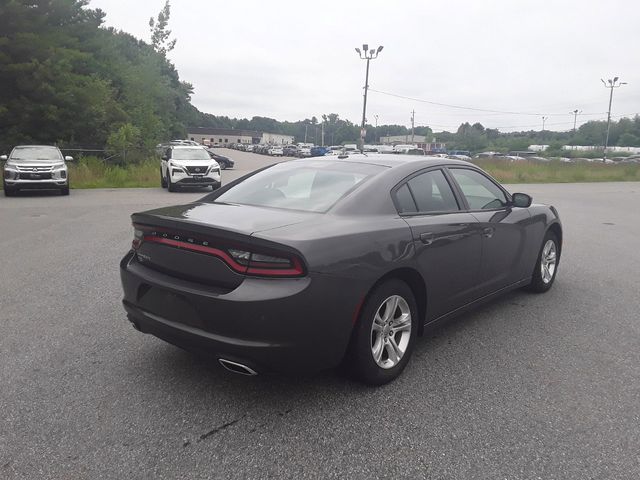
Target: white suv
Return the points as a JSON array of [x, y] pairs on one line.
[[189, 167], [35, 167]]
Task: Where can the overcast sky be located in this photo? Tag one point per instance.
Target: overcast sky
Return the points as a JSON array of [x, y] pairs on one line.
[[290, 60]]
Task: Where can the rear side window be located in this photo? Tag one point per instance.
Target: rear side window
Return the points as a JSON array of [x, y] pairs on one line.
[[405, 200], [480, 192], [430, 192]]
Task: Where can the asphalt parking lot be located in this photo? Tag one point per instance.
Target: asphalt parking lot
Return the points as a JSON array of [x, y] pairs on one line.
[[527, 387]]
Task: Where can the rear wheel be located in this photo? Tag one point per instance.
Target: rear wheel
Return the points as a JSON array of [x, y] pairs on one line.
[[163, 180], [546, 267], [385, 334]]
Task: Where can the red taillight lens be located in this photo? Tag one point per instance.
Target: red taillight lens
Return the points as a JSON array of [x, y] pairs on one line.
[[243, 261]]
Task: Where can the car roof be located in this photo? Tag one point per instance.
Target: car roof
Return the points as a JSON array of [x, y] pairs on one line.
[[36, 146], [186, 147], [390, 159]]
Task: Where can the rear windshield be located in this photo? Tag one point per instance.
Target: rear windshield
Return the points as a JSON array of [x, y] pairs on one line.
[[35, 153], [190, 154], [313, 186]]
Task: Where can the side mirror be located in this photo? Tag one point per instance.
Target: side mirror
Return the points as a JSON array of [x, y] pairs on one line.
[[521, 200], [3, 158], [164, 157], [68, 159]]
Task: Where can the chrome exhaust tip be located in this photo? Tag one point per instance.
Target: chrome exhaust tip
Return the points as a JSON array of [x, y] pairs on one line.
[[236, 367]]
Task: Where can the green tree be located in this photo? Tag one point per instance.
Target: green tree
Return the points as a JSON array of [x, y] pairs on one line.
[[159, 32], [123, 139], [67, 80], [628, 140]]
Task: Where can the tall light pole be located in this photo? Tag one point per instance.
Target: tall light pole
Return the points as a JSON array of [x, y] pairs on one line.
[[575, 118], [610, 84], [368, 55], [544, 119]]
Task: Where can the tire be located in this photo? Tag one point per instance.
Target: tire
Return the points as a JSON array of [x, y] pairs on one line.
[[544, 273], [163, 181], [170, 185], [223, 165], [8, 191], [64, 190], [373, 353]]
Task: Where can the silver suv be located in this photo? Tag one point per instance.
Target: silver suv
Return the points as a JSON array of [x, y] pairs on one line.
[[35, 167]]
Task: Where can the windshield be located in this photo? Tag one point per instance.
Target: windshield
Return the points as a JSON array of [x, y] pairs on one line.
[[308, 186], [35, 153], [189, 154]]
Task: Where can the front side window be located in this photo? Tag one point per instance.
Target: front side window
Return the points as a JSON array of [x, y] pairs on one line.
[[480, 192]]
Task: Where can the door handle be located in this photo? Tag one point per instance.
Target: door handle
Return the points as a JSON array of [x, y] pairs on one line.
[[427, 238], [488, 232]]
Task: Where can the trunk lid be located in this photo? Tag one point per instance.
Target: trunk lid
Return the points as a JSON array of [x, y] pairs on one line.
[[193, 241]]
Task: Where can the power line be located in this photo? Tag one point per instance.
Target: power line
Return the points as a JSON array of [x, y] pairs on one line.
[[430, 102]]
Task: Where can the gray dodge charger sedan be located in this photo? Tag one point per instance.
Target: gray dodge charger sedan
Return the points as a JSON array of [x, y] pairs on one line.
[[310, 264]]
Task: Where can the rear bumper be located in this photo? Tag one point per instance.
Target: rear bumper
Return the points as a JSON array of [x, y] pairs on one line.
[[270, 325]]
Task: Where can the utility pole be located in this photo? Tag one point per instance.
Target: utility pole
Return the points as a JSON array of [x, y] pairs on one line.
[[305, 133], [413, 118], [322, 124], [611, 85], [544, 119], [376, 131], [368, 55], [575, 118]]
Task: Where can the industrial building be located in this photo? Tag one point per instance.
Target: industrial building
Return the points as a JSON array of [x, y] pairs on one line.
[[225, 136]]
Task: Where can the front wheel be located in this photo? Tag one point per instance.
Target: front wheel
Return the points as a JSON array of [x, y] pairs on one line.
[[384, 337], [546, 267], [170, 185], [64, 190], [163, 180]]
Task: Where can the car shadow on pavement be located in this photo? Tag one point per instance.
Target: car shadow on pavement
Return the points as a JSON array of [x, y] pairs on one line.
[[38, 193], [464, 356], [466, 328]]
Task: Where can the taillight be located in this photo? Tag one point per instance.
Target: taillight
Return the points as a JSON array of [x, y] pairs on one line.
[[241, 260], [267, 265], [138, 235]]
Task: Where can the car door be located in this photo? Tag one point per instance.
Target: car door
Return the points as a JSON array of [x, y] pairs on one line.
[[446, 239], [503, 227]]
